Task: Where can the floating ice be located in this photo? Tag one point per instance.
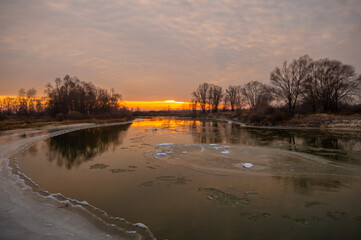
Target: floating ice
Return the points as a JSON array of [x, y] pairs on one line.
[[146, 154], [247, 165], [163, 144], [160, 154], [225, 152]]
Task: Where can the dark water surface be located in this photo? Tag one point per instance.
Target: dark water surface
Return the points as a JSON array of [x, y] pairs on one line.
[[305, 184]]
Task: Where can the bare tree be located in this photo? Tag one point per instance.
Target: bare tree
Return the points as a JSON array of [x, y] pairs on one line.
[[72, 95], [331, 83], [31, 93], [201, 95], [256, 94], [287, 80], [215, 94], [233, 94]]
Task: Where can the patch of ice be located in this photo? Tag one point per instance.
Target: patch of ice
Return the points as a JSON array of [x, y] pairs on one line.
[[213, 144], [163, 144], [146, 154], [184, 152], [141, 225], [160, 154], [225, 152], [247, 165]]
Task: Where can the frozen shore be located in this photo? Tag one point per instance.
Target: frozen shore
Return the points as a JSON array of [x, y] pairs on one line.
[[27, 215]]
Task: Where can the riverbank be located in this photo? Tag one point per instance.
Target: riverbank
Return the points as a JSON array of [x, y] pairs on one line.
[[280, 120], [23, 122], [28, 214]]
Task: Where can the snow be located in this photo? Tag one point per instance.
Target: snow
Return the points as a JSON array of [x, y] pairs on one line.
[[225, 152]]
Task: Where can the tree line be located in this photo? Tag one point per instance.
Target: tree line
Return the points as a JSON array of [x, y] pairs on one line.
[[321, 85], [67, 97]]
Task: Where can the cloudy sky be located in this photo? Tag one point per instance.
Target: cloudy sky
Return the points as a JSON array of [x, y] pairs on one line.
[[159, 49]]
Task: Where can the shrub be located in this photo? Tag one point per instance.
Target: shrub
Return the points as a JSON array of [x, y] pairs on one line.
[[74, 115], [59, 117]]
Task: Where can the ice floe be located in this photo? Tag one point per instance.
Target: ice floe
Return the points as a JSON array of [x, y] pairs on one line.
[[247, 165]]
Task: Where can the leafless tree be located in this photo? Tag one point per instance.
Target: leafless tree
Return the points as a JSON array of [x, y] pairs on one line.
[[287, 80], [233, 95], [256, 94], [72, 95], [200, 95], [332, 82], [215, 96]]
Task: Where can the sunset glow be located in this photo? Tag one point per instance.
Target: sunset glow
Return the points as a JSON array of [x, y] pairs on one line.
[[156, 105]]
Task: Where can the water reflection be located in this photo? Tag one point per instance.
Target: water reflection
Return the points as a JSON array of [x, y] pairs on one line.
[[72, 149], [307, 185], [338, 146]]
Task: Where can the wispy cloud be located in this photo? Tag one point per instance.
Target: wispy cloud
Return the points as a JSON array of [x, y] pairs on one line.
[[164, 49]]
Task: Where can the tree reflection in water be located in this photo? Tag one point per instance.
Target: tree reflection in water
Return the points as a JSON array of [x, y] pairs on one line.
[[73, 148], [337, 146]]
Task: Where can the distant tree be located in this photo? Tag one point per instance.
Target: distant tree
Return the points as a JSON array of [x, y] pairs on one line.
[[200, 95], [287, 80], [256, 94], [233, 95], [332, 82], [215, 94], [31, 93], [72, 95]]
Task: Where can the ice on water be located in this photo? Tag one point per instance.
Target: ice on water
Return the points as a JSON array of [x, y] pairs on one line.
[[235, 159]]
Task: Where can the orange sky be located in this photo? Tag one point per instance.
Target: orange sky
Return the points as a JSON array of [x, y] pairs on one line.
[[162, 49], [146, 105], [156, 105]]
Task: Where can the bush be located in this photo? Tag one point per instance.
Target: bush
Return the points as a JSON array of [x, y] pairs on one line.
[[59, 117], [74, 115]]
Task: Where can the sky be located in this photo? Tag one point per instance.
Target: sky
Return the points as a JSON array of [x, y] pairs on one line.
[[150, 50]]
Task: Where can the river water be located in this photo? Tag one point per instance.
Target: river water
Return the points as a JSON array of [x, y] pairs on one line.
[[186, 179]]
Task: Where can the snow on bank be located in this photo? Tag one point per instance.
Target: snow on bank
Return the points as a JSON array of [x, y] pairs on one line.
[[41, 215]]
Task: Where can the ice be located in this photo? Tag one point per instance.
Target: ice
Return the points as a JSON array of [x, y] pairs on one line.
[[184, 152], [163, 144], [160, 154], [44, 215], [141, 225], [225, 152], [247, 165]]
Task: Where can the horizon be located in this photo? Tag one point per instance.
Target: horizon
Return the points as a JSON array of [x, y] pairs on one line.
[[149, 50]]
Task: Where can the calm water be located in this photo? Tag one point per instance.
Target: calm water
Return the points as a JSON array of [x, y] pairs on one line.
[[305, 184]]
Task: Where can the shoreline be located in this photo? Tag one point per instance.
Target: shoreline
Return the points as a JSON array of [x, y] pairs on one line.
[[244, 125], [42, 215]]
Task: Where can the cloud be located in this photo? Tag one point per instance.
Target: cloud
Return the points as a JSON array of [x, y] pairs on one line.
[[169, 46]]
